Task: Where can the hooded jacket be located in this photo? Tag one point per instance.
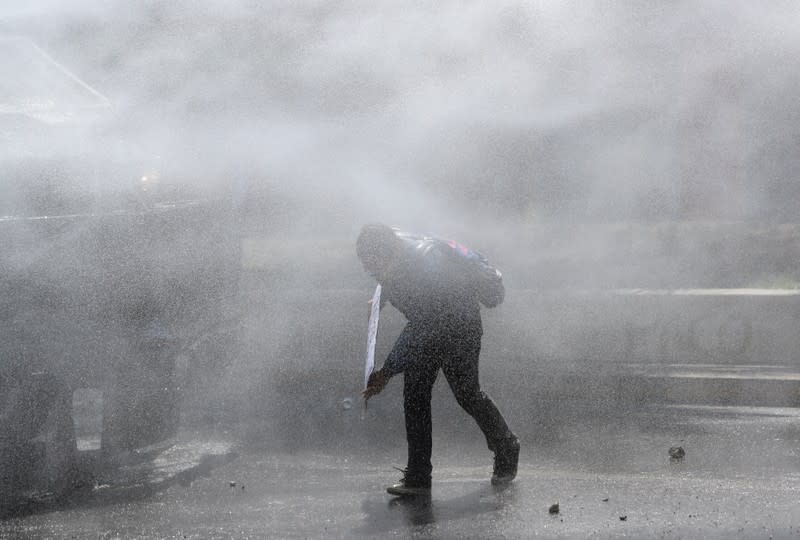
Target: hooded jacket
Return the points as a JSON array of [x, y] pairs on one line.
[[430, 288]]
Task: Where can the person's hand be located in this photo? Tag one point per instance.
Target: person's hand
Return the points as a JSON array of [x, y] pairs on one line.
[[376, 382]]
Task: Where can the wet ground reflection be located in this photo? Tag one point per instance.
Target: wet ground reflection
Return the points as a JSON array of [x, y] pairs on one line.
[[132, 476], [418, 512]]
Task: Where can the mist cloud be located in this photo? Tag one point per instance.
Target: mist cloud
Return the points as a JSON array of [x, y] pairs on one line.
[[445, 109]]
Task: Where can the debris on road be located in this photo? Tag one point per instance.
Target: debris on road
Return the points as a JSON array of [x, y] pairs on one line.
[[677, 452]]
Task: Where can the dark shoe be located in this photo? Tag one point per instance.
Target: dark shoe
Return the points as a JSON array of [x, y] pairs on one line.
[[409, 486], [506, 458]]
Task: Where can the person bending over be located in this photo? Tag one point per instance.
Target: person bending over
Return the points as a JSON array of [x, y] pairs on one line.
[[426, 282]]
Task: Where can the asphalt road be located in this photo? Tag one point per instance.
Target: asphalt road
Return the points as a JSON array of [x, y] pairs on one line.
[[611, 477]]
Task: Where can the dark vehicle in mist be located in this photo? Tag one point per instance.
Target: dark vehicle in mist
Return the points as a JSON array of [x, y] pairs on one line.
[[111, 280]]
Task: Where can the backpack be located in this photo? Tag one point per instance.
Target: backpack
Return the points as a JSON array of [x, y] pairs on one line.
[[486, 280]]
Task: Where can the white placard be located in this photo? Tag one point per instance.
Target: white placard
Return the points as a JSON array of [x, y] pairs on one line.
[[372, 334]]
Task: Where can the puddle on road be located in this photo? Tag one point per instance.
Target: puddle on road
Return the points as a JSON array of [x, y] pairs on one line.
[[158, 466]]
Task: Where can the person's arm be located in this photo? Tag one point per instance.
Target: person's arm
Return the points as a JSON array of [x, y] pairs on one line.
[[397, 361], [376, 383]]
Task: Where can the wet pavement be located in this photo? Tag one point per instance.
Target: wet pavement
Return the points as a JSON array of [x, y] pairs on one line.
[[611, 477]]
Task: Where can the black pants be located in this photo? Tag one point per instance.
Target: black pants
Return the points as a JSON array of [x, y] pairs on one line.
[[456, 354]]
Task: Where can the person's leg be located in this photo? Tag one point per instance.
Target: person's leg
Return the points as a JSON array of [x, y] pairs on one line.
[[417, 389], [419, 375], [460, 367], [461, 370]]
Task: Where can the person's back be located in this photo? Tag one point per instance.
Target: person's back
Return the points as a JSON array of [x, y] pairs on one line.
[[431, 288]]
